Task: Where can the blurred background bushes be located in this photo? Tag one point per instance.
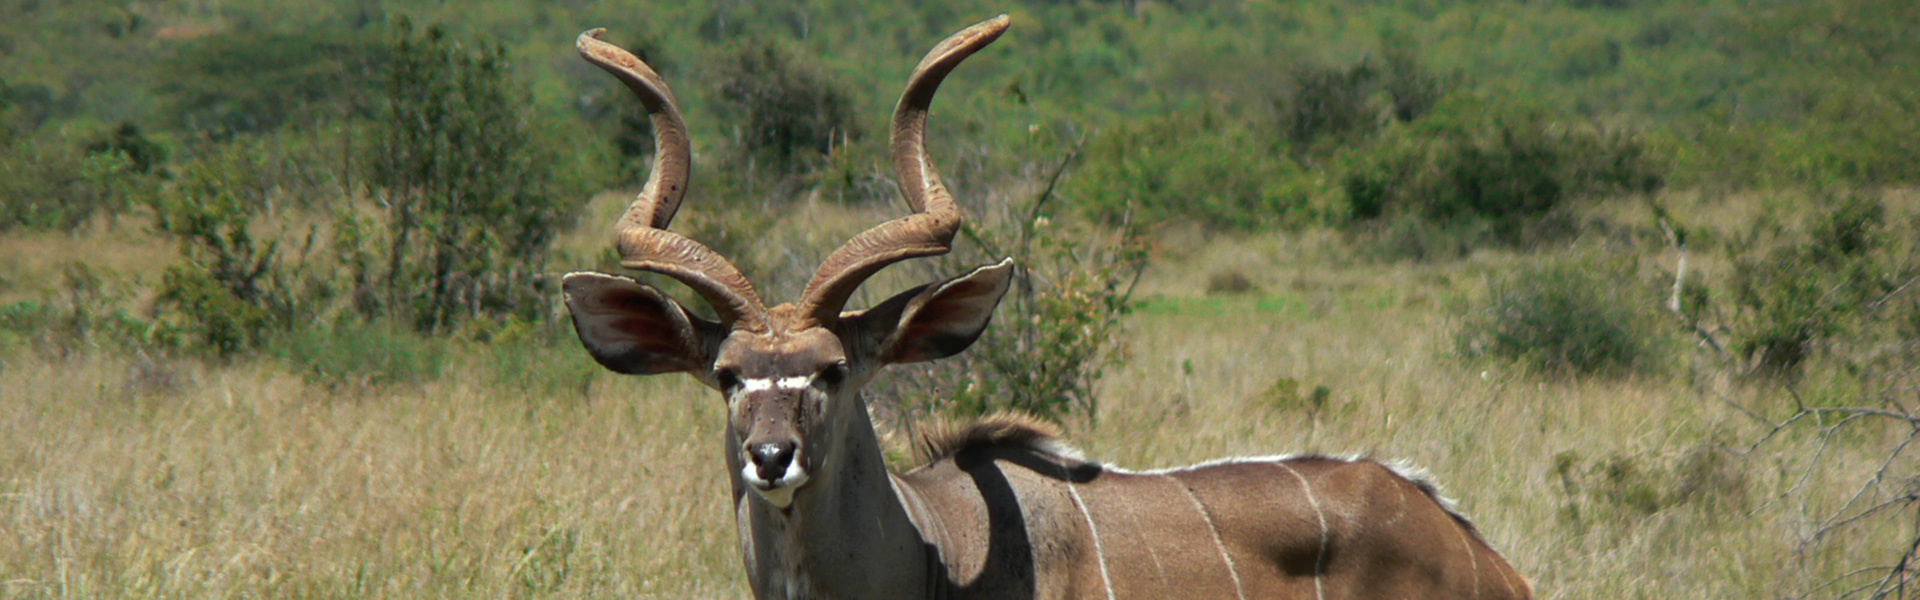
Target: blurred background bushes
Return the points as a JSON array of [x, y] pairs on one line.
[[408, 166]]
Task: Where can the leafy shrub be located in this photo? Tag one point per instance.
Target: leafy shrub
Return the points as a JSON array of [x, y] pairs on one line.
[[1330, 103], [1796, 295], [1490, 166], [1586, 54], [1202, 169], [350, 353], [88, 313], [1611, 160], [1493, 161], [469, 192], [1626, 488], [1411, 88], [540, 359], [23, 107], [257, 81], [142, 154], [50, 185], [1055, 333], [788, 111], [1566, 316], [1060, 328], [234, 288]]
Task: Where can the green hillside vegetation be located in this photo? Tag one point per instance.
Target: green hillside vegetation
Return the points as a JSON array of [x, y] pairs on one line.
[[1637, 279]]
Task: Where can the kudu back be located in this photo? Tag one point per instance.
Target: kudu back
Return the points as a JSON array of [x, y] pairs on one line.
[[1003, 509]]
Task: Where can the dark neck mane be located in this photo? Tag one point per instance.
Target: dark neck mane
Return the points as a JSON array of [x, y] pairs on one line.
[[1002, 429]]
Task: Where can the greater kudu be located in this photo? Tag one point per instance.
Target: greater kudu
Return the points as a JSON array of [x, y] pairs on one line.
[[1003, 509]]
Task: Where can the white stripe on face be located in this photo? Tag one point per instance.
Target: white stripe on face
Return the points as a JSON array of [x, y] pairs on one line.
[[755, 384]]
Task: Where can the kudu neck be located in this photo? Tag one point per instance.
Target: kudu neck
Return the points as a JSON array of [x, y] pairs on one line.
[[846, 526]]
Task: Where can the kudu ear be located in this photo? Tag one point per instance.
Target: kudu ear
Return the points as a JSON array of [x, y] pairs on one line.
[[933, 321], [633, 328]]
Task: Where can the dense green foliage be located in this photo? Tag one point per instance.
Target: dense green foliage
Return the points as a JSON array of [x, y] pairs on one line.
[[235, 289], [434, 165], [788, 112], [1569, 317], [1743, 94], [1840, 277], [258, 81], [470, 193]]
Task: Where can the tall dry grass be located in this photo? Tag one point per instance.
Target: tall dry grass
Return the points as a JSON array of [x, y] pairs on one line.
[[186, 481], [140, 477]]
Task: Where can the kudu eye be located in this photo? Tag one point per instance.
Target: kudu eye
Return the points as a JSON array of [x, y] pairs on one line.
[[727, 379], [833, 374]]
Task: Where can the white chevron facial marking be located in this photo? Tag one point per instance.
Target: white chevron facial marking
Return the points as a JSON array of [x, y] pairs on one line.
[[757, 384], [795, 383]]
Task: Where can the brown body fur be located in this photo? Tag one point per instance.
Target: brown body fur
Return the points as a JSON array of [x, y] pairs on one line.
[[1016, 516]]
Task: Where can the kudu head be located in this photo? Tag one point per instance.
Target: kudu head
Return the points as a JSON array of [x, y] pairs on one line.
[[791, 373]]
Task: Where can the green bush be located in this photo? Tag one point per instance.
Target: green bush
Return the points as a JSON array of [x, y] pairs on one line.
[[58, 185], [89, 312], [1328, 106], [1492, 167], [471, 190], [1796, 295], [1056, 331], [142, 154], [257, 81], [788, 111], [349, 353], [1331, 103], [1204, 169], [540, 359], [234, 287], [1568, 316], [1586, 54], [1411, 88]]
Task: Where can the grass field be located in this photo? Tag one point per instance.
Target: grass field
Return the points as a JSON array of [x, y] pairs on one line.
[[517, 469]]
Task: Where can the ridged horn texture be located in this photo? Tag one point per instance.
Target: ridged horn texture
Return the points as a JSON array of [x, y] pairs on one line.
[[930, 229], [641, 235]]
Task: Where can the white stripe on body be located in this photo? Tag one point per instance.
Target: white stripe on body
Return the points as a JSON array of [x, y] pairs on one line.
[[1232, 569], [1319, 563], [1098, 552], [1473, 558]]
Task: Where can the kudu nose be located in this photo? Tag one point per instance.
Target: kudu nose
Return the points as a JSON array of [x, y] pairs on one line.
[[770, 459]]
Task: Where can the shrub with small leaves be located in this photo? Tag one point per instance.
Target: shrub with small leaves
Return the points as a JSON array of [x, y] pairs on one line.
[[1570, 316], [790, 112], [234, 287], [353, 354], [1492, 169], [1793, 297], [472, 196], [1202, 169], [89, 312], [1059, 329], [1055, 333]]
